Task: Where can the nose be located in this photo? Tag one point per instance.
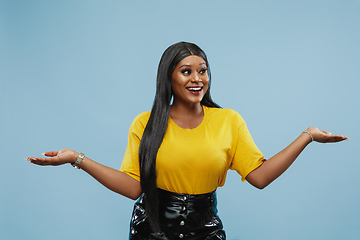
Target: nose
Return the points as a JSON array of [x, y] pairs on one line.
[[196, 78]]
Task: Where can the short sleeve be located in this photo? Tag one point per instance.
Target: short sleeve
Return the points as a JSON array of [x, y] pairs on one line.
[[130, 163], [247, 156]]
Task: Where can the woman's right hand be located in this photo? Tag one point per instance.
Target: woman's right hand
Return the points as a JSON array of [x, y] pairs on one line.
[[55, 158], [113, 179]]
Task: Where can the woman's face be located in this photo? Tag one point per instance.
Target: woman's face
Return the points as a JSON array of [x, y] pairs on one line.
[[190, 80]]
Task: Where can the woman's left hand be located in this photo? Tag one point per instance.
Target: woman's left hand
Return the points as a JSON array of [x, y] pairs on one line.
[[322, 136]]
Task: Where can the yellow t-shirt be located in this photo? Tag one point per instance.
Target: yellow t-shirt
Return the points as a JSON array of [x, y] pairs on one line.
[[195, 161]]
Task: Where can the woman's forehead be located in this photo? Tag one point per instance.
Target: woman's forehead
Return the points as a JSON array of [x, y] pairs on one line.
[[192, 60]]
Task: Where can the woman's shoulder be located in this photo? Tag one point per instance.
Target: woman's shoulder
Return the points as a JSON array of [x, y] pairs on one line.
[[225, 116], [143, 116], [140, 120], [223, 112]]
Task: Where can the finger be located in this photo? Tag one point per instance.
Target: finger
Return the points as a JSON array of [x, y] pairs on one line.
[[50, 153], [31, 160], [35, 161], [326, 132], [43, 161], [28, 159], [337, 138]]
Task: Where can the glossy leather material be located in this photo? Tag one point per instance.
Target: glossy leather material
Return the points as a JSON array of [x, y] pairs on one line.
[[182, 216]]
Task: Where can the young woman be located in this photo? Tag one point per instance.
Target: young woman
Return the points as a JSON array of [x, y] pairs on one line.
[[179, 153]]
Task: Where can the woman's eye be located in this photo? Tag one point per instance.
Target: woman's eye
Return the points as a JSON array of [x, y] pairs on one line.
[[203, 71], [186, 71]]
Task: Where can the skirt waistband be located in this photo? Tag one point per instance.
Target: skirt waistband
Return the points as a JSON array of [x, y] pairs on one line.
[[170, 198]]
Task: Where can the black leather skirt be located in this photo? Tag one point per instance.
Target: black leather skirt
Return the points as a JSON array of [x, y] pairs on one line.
[[182, 216]]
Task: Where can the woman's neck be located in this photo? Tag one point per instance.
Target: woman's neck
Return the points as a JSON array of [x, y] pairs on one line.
[[187, 116]]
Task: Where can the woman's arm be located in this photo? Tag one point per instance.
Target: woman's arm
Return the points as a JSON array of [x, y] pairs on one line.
[[277, 165], [113, 179]]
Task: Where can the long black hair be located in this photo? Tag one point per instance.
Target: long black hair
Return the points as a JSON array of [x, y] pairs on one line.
[[155, 129]]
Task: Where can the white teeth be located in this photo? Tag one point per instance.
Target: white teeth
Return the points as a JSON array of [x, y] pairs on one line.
[[195, 89]]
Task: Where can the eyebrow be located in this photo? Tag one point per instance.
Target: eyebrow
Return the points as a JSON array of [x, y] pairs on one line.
[[187, 65]]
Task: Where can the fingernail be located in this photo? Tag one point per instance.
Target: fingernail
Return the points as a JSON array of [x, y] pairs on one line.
[[30, 159], [43, 154]]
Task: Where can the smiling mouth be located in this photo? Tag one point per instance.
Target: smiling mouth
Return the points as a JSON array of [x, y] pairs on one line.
[[194, 89]]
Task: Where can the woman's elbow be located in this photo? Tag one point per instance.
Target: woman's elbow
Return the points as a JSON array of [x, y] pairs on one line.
[[135, 191], [130, 188], [257, 180], [134, 197], [135, 194], [259, 185]]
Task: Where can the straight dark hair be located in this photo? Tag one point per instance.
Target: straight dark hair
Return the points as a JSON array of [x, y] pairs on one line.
[[155, 129]]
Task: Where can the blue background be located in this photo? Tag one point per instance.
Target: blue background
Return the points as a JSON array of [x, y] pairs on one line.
[[74, 74]]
